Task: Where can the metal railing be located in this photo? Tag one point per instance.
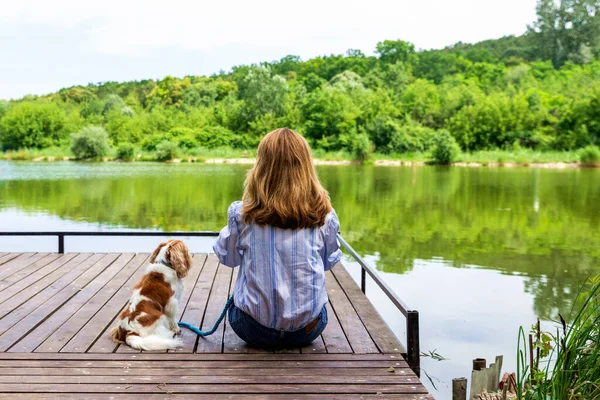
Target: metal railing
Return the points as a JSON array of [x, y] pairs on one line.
[[413, 348], [412, 354], [61, 235]]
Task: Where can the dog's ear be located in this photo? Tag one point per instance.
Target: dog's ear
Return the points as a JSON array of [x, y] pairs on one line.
[[156, 251], [179, 258]]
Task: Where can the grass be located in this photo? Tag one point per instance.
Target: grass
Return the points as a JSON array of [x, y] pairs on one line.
[[571, 368], [200, 154], [523, 157], [52, 153], [590, 155]]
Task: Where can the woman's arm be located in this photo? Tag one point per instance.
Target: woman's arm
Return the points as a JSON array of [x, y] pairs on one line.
[[333, 254], [226, 245]]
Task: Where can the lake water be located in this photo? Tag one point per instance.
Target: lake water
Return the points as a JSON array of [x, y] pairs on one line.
[[477, 251]]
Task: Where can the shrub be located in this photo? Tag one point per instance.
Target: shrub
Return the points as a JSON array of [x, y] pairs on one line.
[[90, 142], [167, 151], [126, 152], [186, 138], [215, 136], [391, 136], [590, 155], [33, 125], [358, 144], [150, 142], [362, 148], [445, 148], [183, 137]]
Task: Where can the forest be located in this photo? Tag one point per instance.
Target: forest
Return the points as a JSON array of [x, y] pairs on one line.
[[538, 91]]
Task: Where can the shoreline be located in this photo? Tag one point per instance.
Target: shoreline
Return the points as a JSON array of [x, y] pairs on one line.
[[319, 162]]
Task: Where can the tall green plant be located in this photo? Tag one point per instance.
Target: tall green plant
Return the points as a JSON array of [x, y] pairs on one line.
[[572, 369]]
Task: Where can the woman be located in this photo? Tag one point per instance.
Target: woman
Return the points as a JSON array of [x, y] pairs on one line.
[[282, 235]]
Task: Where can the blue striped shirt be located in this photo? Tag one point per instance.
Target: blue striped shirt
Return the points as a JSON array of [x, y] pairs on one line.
[[281, 280]]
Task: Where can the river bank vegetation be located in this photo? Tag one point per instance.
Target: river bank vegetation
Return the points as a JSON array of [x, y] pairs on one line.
[[512, 98], [566, 364]]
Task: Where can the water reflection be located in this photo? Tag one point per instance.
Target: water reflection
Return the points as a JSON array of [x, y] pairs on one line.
[[478, 251]]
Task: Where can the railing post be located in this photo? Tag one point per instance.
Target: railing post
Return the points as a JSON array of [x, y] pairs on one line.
[[363, 280], [412, 342], [61, 243]]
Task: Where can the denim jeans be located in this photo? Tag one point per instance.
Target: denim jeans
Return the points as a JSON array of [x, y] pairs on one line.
[[257, 335]]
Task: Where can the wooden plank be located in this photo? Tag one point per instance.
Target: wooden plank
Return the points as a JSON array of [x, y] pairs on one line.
[[216, 302], [205, 379], [19, 269], [357, 335], [326, 389], [16, 294], [287, 351], [56, 296], [195, 308], [93, 335], [189, 282], [232, 342], [81, 317], [174, 363], [213, 396], [43, 357], [203, 372], [10, 256], [316, 347], [18, 263], [380, 332], [21, 305], [334, 339], [108, 266]]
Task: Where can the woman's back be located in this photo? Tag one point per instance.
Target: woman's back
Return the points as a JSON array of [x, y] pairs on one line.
[[281, 282]]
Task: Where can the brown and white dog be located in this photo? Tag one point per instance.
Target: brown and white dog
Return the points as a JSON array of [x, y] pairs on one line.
[[148, 322]]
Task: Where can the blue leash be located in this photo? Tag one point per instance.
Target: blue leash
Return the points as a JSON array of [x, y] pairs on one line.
[[214, 328]]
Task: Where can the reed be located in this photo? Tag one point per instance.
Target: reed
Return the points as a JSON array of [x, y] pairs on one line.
[[570, 358]]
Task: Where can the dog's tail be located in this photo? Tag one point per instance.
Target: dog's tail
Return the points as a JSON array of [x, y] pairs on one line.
[[152, 342]]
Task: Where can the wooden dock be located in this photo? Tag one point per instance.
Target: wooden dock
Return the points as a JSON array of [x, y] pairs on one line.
[[56, 311]]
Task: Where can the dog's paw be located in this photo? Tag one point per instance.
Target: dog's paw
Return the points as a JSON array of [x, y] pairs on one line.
[[177, 332]]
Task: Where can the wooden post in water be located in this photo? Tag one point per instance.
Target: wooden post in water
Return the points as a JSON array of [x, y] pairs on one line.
[[459, 389], [485, 378], [479, 364]]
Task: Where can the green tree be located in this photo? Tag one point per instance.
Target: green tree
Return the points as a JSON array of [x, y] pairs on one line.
[[566, 30], [170, 91], [113, 102], [90, 142], [328, 114], [393, 51], [33, 125], [4, 106], [262, 93]]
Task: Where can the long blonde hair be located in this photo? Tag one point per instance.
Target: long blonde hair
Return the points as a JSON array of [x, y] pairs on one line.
[[282, 189]]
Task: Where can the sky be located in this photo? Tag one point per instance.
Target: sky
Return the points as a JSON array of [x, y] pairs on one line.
[[46, 45]]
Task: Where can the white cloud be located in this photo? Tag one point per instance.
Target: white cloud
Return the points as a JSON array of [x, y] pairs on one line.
[[89, 41], [132, 27]]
